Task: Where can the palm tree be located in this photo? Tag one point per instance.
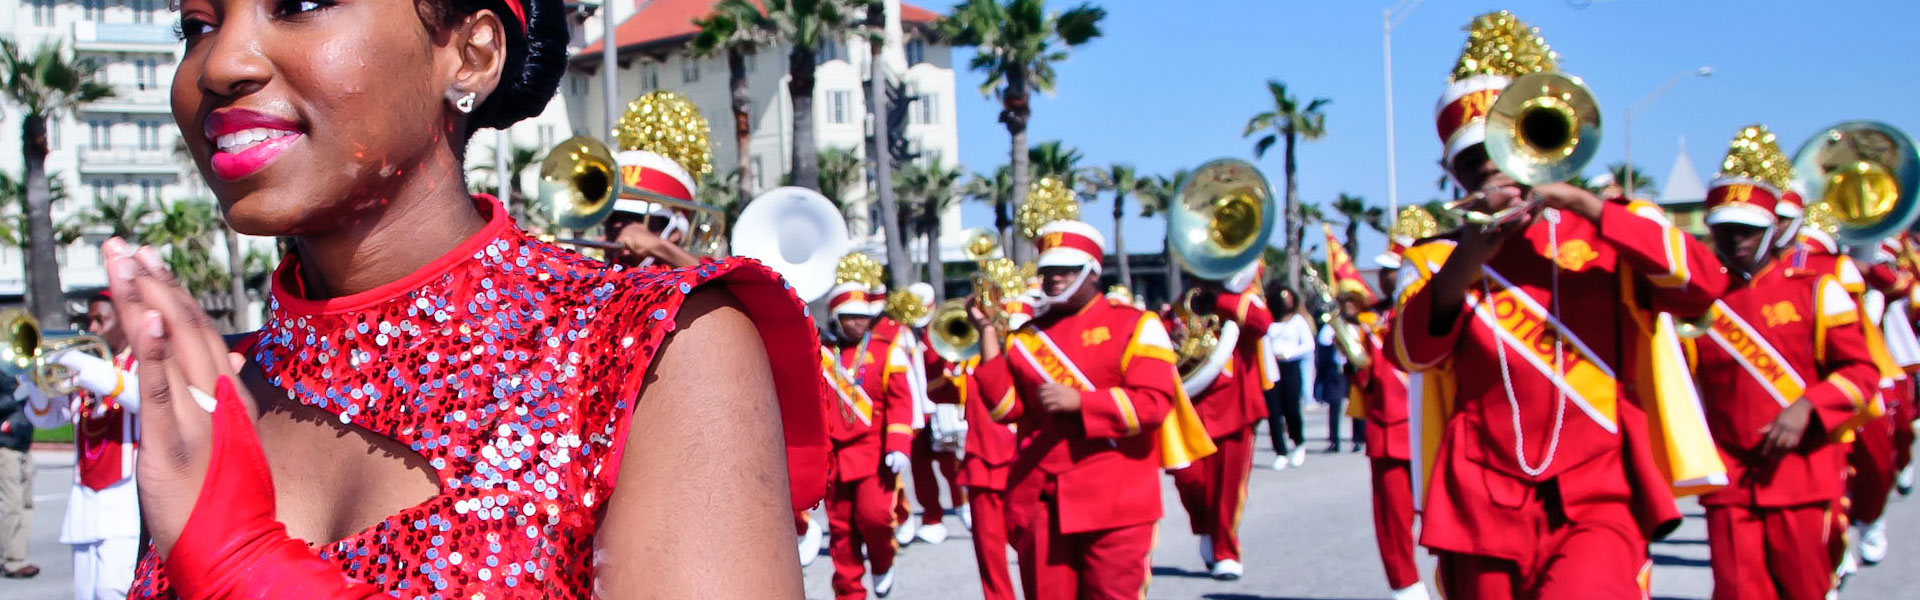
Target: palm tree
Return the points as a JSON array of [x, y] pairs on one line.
[[519, 203], [1290, 122], [1160, 195], [1061, 162], [730, 29], [1016, 44], [1123, 180], [1642, 183], [1356, 212], [45, 85], [997, 190], [184, 229], [804, 25], [926, 192], [840, 170], [120, 216], [13, 218], [881, 148]]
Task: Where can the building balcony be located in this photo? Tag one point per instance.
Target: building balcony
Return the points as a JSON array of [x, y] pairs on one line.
[[130, 99], [124, 37], [95, 161]]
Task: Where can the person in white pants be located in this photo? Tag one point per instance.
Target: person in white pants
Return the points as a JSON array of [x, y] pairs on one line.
[[103, 508]]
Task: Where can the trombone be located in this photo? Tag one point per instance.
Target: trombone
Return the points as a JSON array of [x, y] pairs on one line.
[[580, 180], [1346, 337], [1543, 128]]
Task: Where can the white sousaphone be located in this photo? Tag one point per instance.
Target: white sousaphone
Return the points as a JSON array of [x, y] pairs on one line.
[[796, 232]]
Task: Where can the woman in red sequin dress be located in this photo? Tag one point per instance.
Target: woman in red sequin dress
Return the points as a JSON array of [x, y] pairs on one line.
[[438, 405]]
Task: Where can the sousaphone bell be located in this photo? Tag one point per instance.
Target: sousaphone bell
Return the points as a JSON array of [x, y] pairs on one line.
[[1221, 219], [796, 232], [1866, 173]]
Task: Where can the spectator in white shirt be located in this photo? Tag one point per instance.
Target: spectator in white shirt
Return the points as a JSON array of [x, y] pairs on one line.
[[1291, 342]]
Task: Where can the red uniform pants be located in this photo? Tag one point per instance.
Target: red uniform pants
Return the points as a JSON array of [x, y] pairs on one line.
[[926, 489], [1393, 520], [1870, 470], [1214, 490], [1109, 564], [990, 541], [1769, 553], [1578, 561], [859, 515]]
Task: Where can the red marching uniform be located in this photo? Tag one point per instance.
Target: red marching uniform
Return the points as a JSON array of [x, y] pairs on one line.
[[874, 404], [1084, 488], [1380, 390], [983, 470], [926, 489], [1214, 489]]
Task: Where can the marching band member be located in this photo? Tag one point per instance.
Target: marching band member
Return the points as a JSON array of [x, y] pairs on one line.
[[1380, 396], [1541, 482], [103, 508], [1229, 402], [1783, 368], [990, 450], [939, 411], [1088, 383], [867, 369], [658, 163]]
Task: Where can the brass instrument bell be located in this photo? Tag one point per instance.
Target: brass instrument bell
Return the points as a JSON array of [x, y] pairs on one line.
[[952, 332], [27, 350], [578, 182], [1221, 219], [1866, 173], [1543, 128], [1203, 335]]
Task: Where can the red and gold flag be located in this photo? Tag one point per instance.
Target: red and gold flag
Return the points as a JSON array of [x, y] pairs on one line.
[[1342, 276]]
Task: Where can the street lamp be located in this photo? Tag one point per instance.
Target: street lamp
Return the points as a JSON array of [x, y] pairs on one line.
[[1628, 184], [1389, 19]]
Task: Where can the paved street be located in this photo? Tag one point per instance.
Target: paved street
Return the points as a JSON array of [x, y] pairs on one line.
[[1308, 535]]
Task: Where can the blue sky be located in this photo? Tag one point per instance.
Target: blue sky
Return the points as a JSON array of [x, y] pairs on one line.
[[1172, 83]]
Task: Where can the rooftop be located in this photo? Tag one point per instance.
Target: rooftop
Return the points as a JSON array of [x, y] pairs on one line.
[[665, 21]]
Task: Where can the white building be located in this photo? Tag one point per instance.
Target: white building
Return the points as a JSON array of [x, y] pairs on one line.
[[653, 55], [122, 146]]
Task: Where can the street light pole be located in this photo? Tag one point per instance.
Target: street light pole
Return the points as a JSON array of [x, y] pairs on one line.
[[1390, 18], [1627, 186]]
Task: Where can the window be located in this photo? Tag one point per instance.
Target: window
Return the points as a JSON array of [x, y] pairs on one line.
[[94, 10], [149, 190], [546, 137], [916, 52], [149, 135], [578, 83], [43, 13], [759, 174], [829, 50], [100, 134], [53, 133], [839, 107], [100, 189], [649, 76], [689, 70], [926, 109], [143, 10], [143, 79]]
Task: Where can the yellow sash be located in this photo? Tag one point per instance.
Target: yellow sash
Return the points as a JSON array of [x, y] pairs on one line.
[[854, 402], [1183, 438], [1755, 355], [1522, 324]]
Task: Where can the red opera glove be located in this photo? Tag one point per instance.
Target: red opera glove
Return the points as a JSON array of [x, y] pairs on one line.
[[233, 546]]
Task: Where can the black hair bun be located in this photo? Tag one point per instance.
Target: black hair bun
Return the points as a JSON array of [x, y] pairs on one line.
[[535, 63]]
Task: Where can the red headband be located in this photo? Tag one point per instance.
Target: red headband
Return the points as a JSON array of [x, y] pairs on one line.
[[519, 10]]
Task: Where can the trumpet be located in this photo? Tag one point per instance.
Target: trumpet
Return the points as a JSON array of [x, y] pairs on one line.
[[1346, 336], [1543, 128], [580, 181], [28, 351], [953, 335]]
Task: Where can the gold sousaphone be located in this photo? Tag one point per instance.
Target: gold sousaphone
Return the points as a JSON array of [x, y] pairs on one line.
[[1866, 174], [1543, 128], [1221, 219]]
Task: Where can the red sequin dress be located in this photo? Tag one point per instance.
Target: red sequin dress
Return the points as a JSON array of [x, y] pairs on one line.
[[512, 366]]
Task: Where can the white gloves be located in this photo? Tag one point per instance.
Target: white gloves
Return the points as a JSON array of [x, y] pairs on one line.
[[897, 462]]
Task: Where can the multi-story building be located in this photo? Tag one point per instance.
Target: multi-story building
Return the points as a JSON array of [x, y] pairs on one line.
[[123, 146], [653, 55]]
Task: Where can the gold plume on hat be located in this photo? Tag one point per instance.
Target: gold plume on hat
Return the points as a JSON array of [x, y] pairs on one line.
[[905, 307], [1414, 223], [667, 124], [857, 268], [1048, 200], [1006, 277], [1499, 43], [1819, 216], [1755, 155]]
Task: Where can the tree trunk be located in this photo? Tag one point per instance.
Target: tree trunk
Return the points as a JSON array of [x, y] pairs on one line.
[[237, 321], [1014, 113], [742, 121], [1120, 239], [1003, 222], [1352, 243], [899, 265], [936, 265], [1174, 283], [46, 299], [806, 158], [1295, 228]]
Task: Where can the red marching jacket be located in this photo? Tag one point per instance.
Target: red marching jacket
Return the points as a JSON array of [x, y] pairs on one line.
[[1778, 339], [1380, 391], [863, 432], [1234, 401], [1103, 461], [990, 445]]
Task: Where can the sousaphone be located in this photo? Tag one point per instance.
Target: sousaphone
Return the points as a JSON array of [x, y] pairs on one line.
[[1866, 173], [796, 232]]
